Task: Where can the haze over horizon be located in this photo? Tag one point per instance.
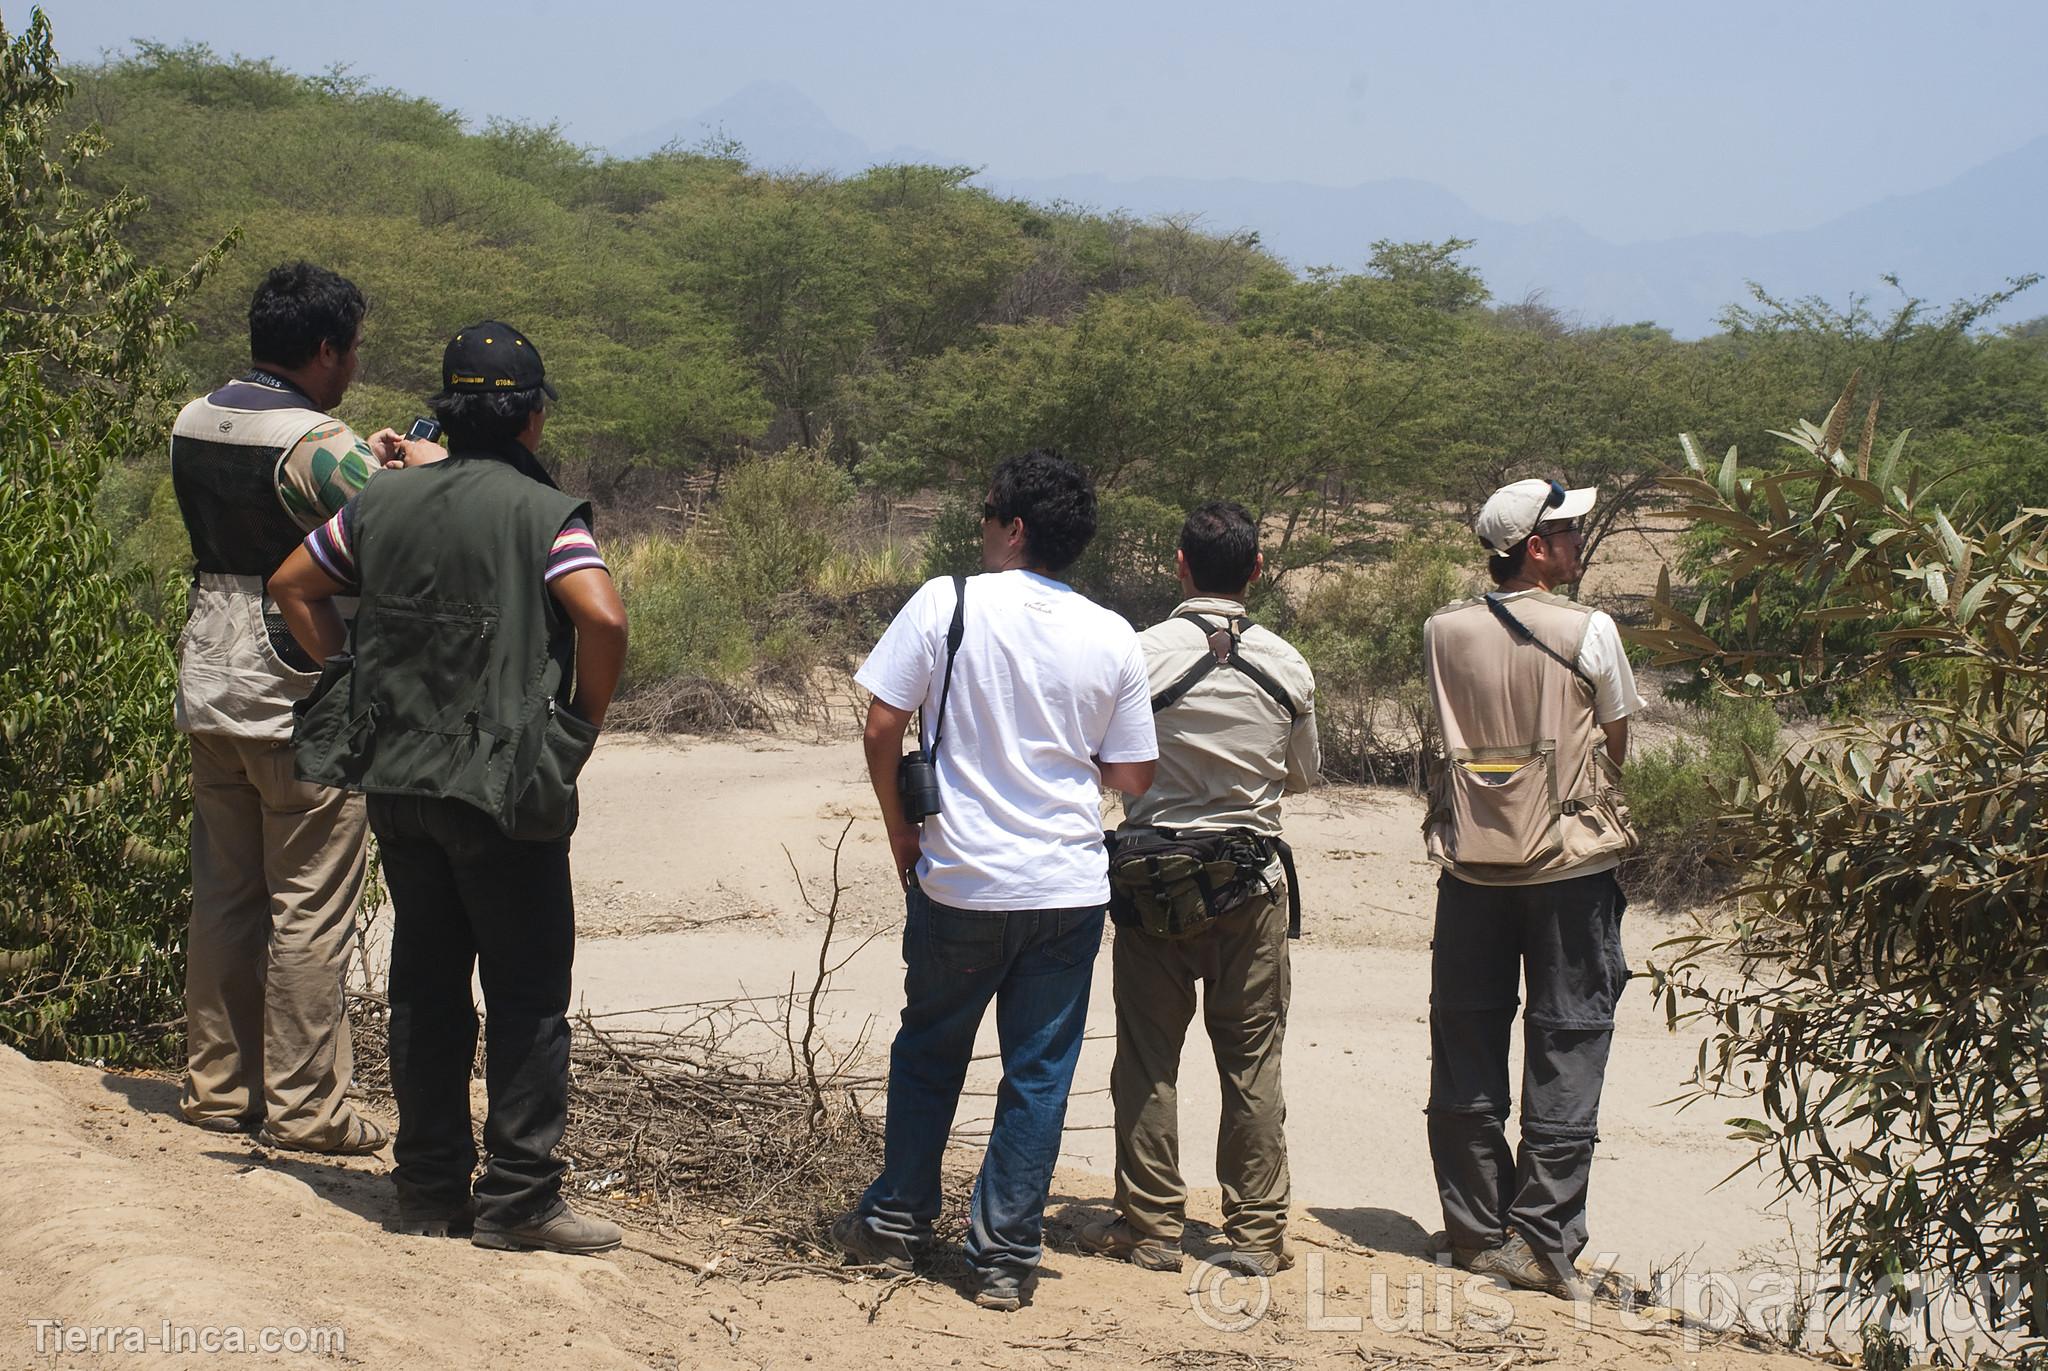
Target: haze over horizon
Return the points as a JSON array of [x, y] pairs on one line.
[[1556, 135]]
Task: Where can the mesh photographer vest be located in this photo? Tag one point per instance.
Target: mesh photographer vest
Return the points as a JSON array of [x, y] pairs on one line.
[[239, 671]]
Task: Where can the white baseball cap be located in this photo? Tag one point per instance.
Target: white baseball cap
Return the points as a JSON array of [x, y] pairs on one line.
[[1512, 512]]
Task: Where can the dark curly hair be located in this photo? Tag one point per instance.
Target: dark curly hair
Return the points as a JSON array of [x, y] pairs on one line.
[[486, 416], [1221, 542], [1054, 498], [298, 307]]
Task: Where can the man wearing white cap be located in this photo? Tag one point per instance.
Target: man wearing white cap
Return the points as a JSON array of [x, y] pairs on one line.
[[1533, 694]]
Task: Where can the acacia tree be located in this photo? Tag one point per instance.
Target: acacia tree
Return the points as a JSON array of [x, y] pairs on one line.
[[93, 804], [1891, 1010]]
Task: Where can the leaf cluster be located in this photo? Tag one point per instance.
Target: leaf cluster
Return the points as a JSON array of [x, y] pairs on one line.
[[1891, 1009]]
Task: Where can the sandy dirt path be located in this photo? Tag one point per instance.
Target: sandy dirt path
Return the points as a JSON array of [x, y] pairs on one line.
[[689, 838], [121, 1228]]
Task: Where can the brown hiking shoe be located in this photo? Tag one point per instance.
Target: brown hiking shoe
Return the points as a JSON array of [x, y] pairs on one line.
[[1117, 1239], [1515, 1262], [861, 1246], [1442, 1249], [560, 1230], [1257, 1261]]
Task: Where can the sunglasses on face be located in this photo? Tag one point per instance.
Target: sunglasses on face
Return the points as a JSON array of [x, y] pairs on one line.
[[988, 512]]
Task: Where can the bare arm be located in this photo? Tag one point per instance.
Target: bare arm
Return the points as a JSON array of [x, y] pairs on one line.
[[1617, 739], [304, 594], [1132, 778], [882, 740], [591, 601]]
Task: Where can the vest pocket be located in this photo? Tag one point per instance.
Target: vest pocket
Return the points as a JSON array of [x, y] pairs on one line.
[[546, 808], [1503, 809], [440, 652]]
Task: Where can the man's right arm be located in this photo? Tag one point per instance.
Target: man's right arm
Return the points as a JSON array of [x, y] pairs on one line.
[[882, 741]]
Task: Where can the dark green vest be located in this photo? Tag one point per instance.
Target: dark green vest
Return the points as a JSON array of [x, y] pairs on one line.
[[460, 661]]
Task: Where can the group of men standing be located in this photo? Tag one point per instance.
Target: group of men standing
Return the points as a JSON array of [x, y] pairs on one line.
[[485, 645], [434, 627]]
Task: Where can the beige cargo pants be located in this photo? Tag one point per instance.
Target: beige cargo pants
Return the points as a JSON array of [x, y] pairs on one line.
[[1240, 961], [277, 870]]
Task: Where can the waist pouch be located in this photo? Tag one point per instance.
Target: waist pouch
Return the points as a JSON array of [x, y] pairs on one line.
[[1172, 884]]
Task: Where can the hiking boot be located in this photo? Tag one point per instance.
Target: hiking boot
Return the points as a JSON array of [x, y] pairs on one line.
[[561, 1229], [436, 1221], [1442, 1249], [1003, 1292], [1515, 1262], [1117, 1239], [1256, 1261], [864, 1247]]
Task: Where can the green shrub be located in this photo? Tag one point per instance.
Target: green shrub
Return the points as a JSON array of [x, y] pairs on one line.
[[779, 520], [94, 873], [686, 620], [1676, 793], [1361, 631], [1876, 1003]]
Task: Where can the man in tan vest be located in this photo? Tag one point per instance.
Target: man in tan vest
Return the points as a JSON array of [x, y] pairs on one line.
[[1533, 694]]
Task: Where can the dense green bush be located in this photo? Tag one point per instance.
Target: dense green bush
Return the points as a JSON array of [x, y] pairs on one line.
[[767, 589], [1361, 631], [1676, 793], [1889, 1011], [94, 873]]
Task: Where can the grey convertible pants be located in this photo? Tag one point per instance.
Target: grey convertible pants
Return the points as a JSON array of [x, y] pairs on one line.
[[1565, 937]]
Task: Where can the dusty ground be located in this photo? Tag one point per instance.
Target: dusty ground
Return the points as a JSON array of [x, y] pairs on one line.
[[115, 1216]]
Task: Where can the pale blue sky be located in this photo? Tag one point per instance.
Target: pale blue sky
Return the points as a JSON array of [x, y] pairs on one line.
[[1635, 120]]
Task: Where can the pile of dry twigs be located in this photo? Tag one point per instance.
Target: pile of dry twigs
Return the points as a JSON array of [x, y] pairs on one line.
[[739, 1118]]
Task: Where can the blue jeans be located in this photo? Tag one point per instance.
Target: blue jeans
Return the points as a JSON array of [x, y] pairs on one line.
[[1035, 964]]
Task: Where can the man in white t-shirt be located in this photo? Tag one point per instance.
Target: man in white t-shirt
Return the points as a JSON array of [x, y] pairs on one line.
[[1046, 702], [1533, 695]]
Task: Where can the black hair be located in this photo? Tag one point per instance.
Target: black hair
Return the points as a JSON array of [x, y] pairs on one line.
[[1221, 543], [1505, 569], [299, 306], [1054, 498], [495, 416]]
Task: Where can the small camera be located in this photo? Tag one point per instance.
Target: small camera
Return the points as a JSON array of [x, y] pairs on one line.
[[424, 429], [917, 781]]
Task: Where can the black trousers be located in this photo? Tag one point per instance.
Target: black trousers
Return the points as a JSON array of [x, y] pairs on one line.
[[465, 897], [1565, 938]]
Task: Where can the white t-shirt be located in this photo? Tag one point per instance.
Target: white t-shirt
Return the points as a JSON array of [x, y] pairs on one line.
[[1045, 681], [1605, 662]]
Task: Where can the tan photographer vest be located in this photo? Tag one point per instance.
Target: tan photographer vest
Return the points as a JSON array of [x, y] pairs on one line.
[[1524, 792]]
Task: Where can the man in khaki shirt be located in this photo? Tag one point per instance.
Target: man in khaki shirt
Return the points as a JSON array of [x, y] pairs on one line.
[[1234, 706]]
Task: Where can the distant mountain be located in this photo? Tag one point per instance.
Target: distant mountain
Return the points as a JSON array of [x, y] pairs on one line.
[[1963, 238], [780, 128]]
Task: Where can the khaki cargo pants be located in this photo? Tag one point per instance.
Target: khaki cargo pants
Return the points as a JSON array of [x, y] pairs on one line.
[[1240, 961], [277, 870]]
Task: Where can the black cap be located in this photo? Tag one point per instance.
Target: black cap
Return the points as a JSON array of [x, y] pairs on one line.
[[491, 356]]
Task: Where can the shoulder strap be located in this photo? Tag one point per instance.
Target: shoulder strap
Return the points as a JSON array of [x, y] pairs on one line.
[[1521, 633], [954, 633], [1218, 656]]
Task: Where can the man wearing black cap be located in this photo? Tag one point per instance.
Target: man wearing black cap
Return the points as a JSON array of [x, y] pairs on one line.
[[1533, 695], [483, 598]]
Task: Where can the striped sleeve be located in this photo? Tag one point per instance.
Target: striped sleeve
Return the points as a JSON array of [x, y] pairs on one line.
[[331, 546], [574, 549]]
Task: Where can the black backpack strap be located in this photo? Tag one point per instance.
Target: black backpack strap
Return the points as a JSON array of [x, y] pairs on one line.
[[1522, 633], [954, 633], [1194, 674]]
